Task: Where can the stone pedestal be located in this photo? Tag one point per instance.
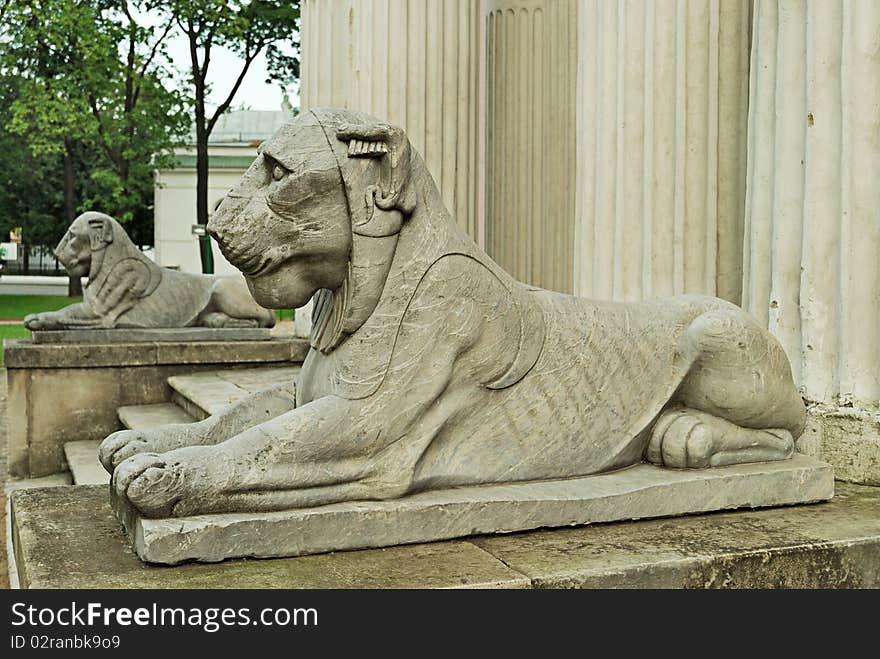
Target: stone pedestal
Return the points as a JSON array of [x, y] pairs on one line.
[[413, 63], [812, 234], [60, 393], [661, 148], [156, 335]]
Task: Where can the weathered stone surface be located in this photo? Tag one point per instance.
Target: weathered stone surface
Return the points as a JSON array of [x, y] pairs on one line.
[[72, 540], [203, 394], [302, 321], [24, 353], [431, 368], [82, 460], [126, 289], [846, 438], [159, 335], [141, 417], [812, 233], [84, 385], [827, 545], [55, 480], [240, 352], [639, 492]]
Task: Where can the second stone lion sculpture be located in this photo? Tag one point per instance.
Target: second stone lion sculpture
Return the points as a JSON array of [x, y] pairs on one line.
[[430, 366], [128, 290]]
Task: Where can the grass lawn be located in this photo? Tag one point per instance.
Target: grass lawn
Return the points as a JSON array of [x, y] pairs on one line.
[[12, 332], [19, 306]]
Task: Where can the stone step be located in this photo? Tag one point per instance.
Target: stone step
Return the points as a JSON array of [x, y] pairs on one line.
[[53, 480], [204, 394], [144, 417], [10, 486], [82, 459], [69, 538]]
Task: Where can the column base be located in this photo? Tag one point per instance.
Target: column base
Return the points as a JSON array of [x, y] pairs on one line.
[[848, 438]]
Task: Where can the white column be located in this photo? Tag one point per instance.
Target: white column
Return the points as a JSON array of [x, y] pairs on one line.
[[661, 147], [531, 69], [812, 234], [414, 63]]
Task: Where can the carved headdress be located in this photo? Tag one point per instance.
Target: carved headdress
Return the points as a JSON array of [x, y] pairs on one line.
[[374, 164]]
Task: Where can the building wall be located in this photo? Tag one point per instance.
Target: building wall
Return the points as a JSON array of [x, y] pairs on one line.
[[413, 63], [531, 74], [175, 206], [813, 215], [661, 147], [812, 220]]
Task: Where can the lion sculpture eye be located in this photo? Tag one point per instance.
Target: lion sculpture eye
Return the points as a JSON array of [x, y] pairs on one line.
[[278, 172]]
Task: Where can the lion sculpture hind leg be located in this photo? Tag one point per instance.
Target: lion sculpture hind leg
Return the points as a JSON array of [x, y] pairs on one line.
[[231, 305], [738, 402]]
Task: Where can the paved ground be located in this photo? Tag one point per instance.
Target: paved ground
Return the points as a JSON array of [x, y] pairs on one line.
[[4, 572]]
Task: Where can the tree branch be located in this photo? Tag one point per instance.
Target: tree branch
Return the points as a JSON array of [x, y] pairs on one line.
[[4, 7], [110, 153], [129, 63], [142, 72], [194, 53], [250, 57], [127, 12], [155, 49], [207, 60]]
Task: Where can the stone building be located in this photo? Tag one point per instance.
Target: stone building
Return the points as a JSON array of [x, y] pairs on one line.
[[626, 149], [231, 150]]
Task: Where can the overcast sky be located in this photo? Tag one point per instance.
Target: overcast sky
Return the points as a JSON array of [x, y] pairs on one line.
[[222, 72]]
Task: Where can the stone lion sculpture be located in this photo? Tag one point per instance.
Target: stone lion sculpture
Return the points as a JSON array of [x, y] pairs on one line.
[[430, 366], [128, 290]]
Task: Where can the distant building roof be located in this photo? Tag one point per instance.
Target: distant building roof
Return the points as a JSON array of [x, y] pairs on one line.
[[246, 126]]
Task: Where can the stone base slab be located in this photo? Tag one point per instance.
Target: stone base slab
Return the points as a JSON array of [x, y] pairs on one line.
[[158, 335], [639, 492], [848, 438], [69, 538]]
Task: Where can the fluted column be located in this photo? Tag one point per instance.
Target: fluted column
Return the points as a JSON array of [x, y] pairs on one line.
[[812, 235], [414, 63], [531, 67], [661, 147]]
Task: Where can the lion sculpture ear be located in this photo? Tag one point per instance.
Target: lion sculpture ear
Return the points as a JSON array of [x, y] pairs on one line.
[[393, 194], [100, 232]]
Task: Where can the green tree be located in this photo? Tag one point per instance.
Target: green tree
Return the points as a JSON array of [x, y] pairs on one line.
[[94, 78], [30, 197], [246, 28]]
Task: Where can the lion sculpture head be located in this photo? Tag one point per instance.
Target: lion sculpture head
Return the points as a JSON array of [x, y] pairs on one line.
[[320, 211]]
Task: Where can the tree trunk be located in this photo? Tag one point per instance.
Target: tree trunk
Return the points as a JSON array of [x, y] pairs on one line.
[[74, 284], [205, 253]]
